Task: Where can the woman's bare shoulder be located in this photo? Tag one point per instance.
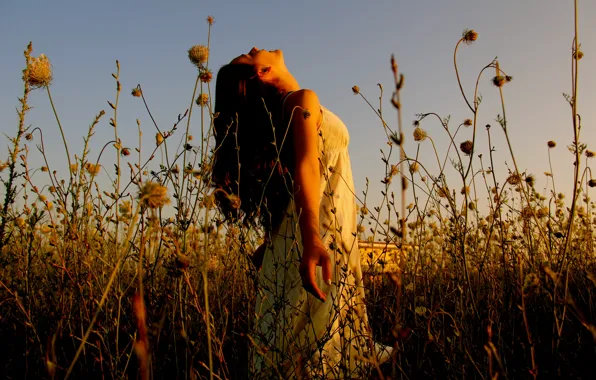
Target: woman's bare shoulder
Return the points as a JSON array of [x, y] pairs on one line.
[[304, 100]]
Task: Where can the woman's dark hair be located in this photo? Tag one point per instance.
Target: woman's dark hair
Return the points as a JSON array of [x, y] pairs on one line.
[[254, 153]]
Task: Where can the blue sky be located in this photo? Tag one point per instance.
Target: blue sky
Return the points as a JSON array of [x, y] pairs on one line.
[[329, 47]]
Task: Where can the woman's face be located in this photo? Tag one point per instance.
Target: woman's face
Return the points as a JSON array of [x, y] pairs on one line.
[[259, 58]]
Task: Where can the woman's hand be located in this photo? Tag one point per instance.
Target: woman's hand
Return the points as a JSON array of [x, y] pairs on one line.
[[313, 255]]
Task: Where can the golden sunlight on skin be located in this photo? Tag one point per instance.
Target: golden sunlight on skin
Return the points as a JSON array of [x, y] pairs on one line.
[[271, 68]]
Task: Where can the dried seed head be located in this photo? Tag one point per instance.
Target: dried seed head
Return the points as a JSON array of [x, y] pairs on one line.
[[28, 137], [530, 179], [472, 206], [551, 144], [414, 167], [467, 122], [467, 147], [206, 76], [514, 179], [590, 153], [154, 195], [92, 168], [158, 138], [136, 92], [526, 213], [198, 55], [40, 72], [469, 36], [465, 190], [210, 20], [443, 192], [419, 134], [578, 54], [202, 100], [125, 152], [499, 80], [356, 90], [592, 182]]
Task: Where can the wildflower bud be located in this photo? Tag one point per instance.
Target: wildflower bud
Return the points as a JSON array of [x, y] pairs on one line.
[[44, 169], [136, 92], [419, 134], [530, 179], [188, 147], [125, 152], [469, 36], [356, 90], [551, 144], [468, 122], [592, 182], [198, 55], [467, 147], [158, 139], [92, 168], [590, 153], [28, 137], [210, 20]]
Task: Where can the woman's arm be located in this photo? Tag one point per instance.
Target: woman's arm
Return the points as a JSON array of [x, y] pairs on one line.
[[304, 124]]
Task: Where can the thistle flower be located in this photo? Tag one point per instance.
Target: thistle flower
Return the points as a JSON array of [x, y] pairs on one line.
[[590, 153], [202, 100], [40, 72], [469, 36], [136, 92], [154, 195], [551, 144], [514, 179], [468, 122], [356, 90], [530, 179], [210, 20], [206, 76], [92, 168], [419, 134], [467, 147], [198, 55]]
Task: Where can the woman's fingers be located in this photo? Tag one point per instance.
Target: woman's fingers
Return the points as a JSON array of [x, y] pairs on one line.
[[308, 275]]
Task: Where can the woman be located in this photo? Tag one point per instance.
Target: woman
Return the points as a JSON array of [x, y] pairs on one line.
[[282, 162]]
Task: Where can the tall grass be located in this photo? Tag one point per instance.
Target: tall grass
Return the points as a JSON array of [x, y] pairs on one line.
[[143, 279]]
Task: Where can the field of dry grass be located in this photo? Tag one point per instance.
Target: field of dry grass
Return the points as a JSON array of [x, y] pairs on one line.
[[140, 278]]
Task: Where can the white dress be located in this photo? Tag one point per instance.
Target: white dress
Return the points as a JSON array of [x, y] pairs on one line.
[[295, 335]]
